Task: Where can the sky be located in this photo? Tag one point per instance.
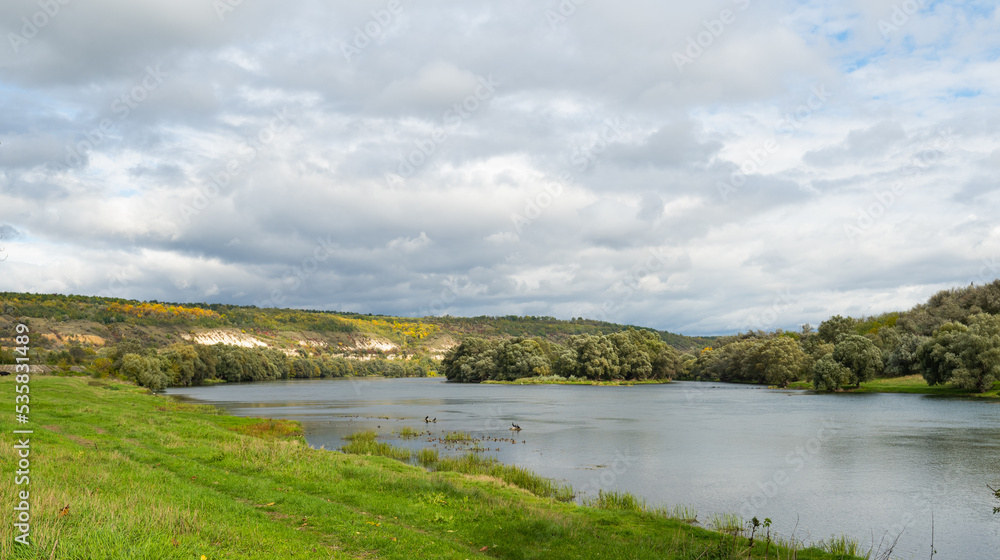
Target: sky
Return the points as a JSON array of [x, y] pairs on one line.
[[703, 168]]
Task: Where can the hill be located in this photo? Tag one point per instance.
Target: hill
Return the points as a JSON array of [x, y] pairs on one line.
[[81, 324]]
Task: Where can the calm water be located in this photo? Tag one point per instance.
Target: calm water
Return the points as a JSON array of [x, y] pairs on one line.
[[862, 465]]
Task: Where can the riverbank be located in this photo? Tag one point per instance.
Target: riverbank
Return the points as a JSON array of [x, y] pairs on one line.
[[557, 380], [915, 384], [117, 472]]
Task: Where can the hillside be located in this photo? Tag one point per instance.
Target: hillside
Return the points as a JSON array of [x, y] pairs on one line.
[[62, 323]]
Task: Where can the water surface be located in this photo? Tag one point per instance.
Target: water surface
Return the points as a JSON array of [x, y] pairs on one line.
[[865, 465]]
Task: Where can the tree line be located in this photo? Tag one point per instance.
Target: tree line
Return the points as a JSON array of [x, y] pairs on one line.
[[626, 355], [952, 339], [181, 365]]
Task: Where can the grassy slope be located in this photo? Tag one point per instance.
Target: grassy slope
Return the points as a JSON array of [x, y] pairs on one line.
[[910, 384], [145, 477]]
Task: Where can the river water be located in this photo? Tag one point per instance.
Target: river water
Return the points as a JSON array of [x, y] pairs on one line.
[[870, 466]]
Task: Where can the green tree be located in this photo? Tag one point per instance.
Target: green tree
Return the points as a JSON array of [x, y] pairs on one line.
[[521, 357], [902, 359], [860, 355], [633, 355], [472, 361], [831, 329], [145, 371], [778, 361], [183, 365], [126, 346], [829, 374], [596, 357], [966, 356]]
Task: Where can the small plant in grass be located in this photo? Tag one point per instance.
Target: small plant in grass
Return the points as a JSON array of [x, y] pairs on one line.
[[726, 523], [427, 456], [457, 437], [408, 433], [511, 474], [681, 513], [271, 429], [365, 443], [616, 500], [841, 545]]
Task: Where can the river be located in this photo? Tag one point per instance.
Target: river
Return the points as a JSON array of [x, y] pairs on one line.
[[865, 465]]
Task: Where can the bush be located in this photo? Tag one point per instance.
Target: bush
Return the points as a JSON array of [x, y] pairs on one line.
[[145, 371]]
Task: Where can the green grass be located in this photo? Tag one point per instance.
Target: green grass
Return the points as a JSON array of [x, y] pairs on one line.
[[908, 384], [511, 474], [409, 433], [366, 443], [147, 478], [559, 380], [456, 437], [841, 545], [617, 500]]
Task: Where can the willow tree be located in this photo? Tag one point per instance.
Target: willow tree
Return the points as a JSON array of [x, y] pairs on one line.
[[965, 356], [860, 356]]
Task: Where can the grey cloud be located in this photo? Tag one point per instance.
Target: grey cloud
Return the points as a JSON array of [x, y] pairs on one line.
[[860, 145], [128, 200]]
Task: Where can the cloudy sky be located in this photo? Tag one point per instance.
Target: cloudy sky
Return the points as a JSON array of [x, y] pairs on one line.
[[701, 167]]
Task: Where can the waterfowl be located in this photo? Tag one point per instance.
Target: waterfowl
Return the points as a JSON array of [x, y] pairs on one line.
[[515, 427]]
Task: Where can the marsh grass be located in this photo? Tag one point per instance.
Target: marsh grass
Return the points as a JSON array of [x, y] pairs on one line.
[[272, 429], [511, 474], [622, 501], [366, 443], [726, 523], [841, 545], [409, 433]]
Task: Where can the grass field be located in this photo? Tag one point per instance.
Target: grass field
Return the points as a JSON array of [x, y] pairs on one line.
[[909, 384], [118, 473]]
